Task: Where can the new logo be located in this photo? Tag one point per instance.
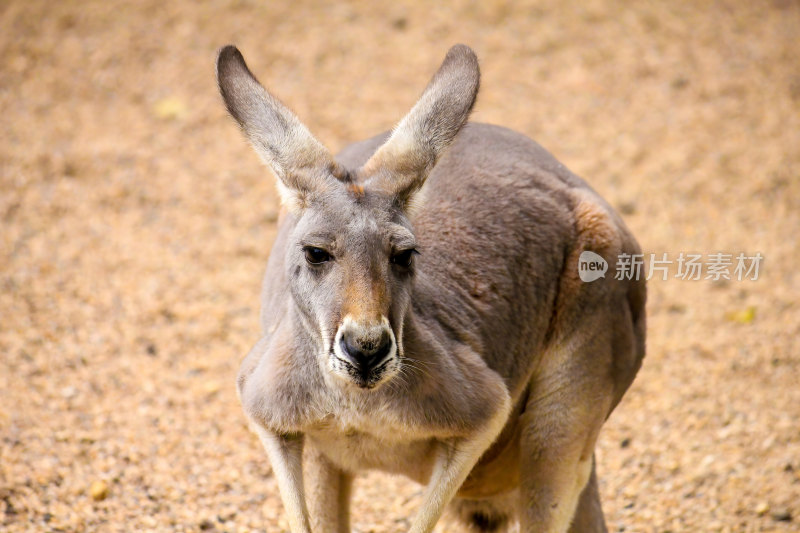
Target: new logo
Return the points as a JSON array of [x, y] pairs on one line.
[[591, 266]]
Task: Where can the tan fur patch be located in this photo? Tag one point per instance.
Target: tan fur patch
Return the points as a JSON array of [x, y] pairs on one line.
[[356, 189], [365, 305], [596, 230]]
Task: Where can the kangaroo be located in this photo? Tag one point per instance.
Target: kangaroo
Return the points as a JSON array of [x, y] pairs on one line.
[[423, 314]]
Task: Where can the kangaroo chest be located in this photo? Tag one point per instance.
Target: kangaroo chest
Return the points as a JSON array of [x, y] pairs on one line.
[[353, 449]]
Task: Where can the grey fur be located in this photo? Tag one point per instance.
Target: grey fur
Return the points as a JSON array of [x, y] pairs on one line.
[[418, 141], [278, 137], [506, 364]]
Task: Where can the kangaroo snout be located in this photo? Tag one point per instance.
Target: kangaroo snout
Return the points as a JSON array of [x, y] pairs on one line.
[[366, 348], [365, 354]]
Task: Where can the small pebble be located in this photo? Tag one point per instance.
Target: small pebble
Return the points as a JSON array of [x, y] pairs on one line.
[[211, 387], [782, 515], [627, 208], [762, 508], [98, 490]]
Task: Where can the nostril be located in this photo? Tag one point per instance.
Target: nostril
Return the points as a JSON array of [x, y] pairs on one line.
[[384, 349], [349, 348], [354, 354]]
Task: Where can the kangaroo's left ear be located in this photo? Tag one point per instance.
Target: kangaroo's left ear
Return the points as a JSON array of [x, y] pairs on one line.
[[300, 162], [401, 165]]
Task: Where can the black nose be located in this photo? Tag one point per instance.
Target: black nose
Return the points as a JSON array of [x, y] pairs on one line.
[[366, 354]]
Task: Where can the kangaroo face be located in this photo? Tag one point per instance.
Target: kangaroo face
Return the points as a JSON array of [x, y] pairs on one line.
[[351, 268]]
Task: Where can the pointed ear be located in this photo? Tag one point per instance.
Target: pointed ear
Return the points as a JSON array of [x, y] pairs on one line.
[[300, 162], [402, 164]]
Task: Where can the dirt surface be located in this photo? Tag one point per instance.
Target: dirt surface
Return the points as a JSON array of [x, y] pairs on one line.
[[136, 223]]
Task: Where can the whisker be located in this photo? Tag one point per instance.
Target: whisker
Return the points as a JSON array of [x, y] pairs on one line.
[[416, 365], [421, 362]]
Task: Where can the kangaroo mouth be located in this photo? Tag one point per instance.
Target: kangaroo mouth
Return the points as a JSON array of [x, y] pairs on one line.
[[362, 378]]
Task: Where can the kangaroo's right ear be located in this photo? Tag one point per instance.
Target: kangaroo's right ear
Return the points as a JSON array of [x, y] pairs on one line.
[[301, 163]]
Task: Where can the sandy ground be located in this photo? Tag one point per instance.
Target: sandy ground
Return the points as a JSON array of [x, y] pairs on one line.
[[136, 223]]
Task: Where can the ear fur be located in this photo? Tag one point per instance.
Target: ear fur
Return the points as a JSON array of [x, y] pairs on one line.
[[300, 162], [402, 164]]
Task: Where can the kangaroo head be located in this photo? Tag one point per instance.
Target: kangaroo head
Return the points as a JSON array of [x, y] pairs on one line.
[[350, 257]]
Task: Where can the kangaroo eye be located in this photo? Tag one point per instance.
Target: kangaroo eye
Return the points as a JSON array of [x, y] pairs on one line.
[[404, 258], [316, 256]]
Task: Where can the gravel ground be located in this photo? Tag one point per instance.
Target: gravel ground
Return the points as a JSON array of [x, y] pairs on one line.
[[136, 223]]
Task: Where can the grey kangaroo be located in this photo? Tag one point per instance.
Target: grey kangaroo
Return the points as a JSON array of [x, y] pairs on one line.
[[423, 314]]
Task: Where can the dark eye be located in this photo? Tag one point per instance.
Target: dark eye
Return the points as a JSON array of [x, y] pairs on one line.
[[404, 258], [316, 256]]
